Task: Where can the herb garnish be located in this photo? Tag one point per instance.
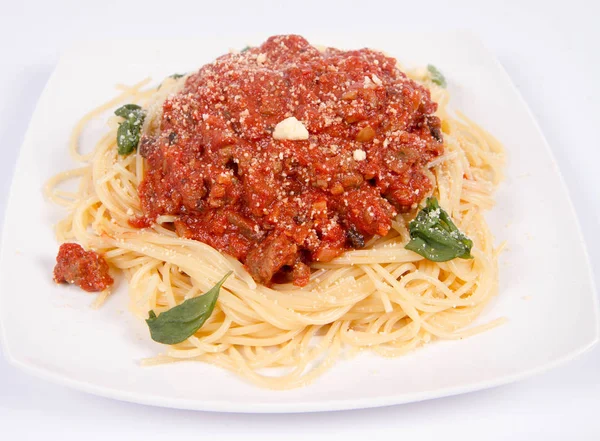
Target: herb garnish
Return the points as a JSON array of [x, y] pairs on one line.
[[129, 131], [436, 76], [182, 321], [434, 236]]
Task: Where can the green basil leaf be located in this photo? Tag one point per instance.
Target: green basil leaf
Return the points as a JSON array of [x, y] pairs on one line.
[[434, 236], [436, 76], [245, 49], [126, 138], [130, 130], [125, 110], [182, 321], [437, 253]]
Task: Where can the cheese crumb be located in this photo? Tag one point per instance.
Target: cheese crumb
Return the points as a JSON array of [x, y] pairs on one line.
[[376, 80], [261, 58], [359, 155], [290, 129]]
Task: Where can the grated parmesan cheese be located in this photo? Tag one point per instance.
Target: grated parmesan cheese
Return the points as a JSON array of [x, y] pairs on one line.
[[290, 129]]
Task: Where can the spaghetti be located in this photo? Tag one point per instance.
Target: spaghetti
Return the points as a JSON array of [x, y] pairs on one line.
[[383, 297]]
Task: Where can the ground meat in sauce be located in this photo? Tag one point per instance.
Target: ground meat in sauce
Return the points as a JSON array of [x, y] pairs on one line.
[[278, 205], [86, 269]]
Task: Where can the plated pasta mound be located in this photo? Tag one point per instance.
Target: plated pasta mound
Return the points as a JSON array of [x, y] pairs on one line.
[[283, 205]]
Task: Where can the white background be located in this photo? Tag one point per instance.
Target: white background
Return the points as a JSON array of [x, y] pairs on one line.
[[551, 49]]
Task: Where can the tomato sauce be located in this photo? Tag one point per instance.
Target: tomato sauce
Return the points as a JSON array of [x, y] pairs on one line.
[[86, 269], [278, 204]]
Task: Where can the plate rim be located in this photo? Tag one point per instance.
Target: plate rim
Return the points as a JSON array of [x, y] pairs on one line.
[[287, 407]]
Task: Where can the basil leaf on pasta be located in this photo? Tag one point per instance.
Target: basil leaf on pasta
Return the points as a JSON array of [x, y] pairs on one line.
[[129, 131], [436, 76], [127, 109], [182, 321], [126, 139], [434, 236]]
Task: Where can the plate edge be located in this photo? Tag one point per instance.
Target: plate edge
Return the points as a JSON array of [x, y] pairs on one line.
[[4, 346]]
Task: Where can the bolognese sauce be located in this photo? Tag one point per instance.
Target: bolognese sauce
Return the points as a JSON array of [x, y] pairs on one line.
[[86, 269], [283, 155]]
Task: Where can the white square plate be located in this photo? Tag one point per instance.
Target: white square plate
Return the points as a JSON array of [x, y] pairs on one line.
[[546, 290]]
